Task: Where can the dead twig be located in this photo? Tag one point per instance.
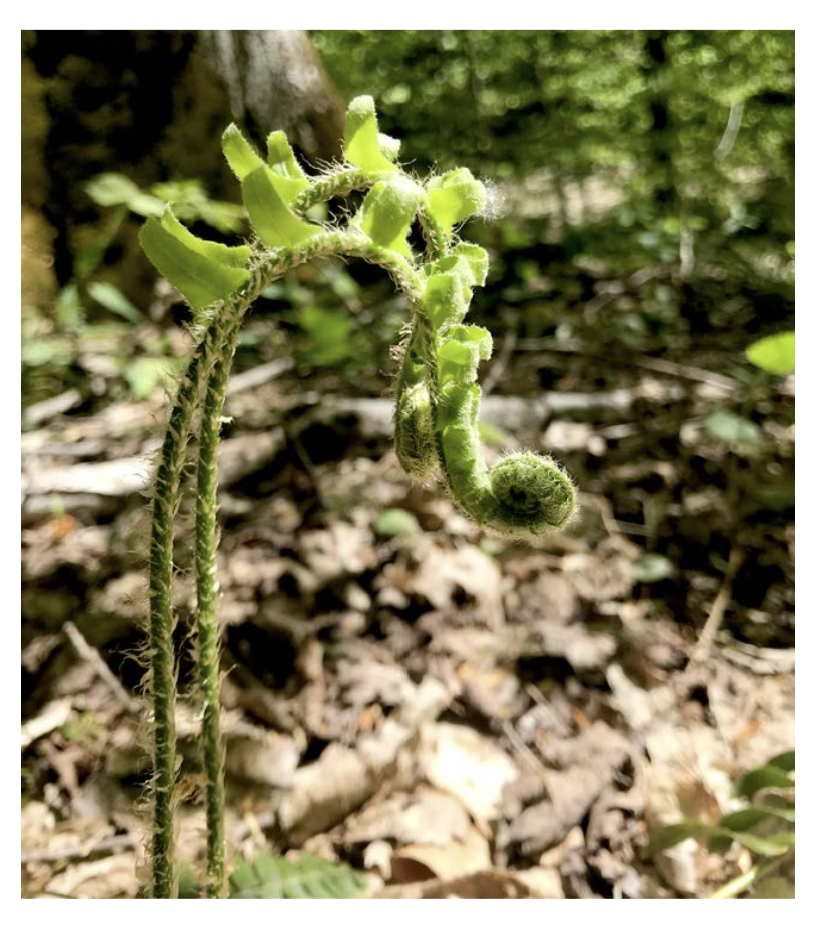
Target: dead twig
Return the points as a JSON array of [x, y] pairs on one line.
[[718, 608], [106, 846], [522, 749], [91, 655], [259, 376], [687, 372], [54, 715]]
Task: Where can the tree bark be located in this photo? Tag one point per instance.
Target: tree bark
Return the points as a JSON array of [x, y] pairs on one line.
[[276, 81]]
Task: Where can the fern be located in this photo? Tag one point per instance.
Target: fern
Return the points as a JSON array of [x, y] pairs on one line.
[[306, 877], [771, 845], [436, 405]]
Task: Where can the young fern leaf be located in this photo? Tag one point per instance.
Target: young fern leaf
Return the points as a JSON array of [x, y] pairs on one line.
[[202, 271], [276, 225], [455, 197], [242, 158], [290, 178], [387, 214], [364, 146], [306, 877]]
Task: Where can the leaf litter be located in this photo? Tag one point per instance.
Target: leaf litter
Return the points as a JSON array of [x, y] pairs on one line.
[[456, 716]]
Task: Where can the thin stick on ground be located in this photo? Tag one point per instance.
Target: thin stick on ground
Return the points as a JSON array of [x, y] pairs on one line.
[[718, 608], [91, 655]]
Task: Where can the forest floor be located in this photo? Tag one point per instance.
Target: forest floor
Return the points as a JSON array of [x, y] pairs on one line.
[[449, 713]]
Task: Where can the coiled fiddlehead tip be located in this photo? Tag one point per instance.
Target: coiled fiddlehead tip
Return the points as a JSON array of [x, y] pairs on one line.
[[533, 492]]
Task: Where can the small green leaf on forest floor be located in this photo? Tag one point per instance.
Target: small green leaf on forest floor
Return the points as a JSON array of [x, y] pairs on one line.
[[114, 300], [672, 834], [749, 817], [652, 568], [731, 428], [766, 777], [145, 374], [785, 760], [775, 845], [396, 523], [68, 310], [113, 189], [776, 353]]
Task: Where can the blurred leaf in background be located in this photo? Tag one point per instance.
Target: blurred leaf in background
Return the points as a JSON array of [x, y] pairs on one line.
[[776, 353]]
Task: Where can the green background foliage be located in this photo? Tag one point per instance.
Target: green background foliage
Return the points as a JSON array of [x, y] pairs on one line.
[[669, 155]]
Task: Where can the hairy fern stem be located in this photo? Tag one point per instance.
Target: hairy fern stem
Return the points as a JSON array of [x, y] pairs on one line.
[[211, 365], [206, 579], [162, 682]]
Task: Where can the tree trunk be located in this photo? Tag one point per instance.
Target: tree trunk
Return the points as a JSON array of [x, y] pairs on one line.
[[144, 103], [656, 63], [276, 81]]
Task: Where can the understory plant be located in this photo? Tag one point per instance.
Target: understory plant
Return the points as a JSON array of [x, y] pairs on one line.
[[524, 495], [763, 826]]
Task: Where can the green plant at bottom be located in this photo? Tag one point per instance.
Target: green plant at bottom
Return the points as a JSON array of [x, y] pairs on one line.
[[437, 397], [306, 877], [761, 826]]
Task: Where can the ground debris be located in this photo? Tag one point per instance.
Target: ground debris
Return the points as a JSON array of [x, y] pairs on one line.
[[469, 766], [325, 792], [462, 716], [544, 806]]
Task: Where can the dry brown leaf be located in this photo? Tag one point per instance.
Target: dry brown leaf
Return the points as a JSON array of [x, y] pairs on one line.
[[755, 715], [587, 765], [464, 763], [342, 549], [37, 824], [476, 645], [112, 877], [547, 822], [583, 649], [608, 573], [688, 774], [495, 693], [544, 882], [424, 816], [442, 576], [52, 716], [548, 597], [574, 436], [325, 792], [262, 756], [640, 707], [456, 858], [493, 883], [367, 682]]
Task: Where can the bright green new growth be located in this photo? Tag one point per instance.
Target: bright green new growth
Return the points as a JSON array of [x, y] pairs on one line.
[[437, 397], [202, 270]]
